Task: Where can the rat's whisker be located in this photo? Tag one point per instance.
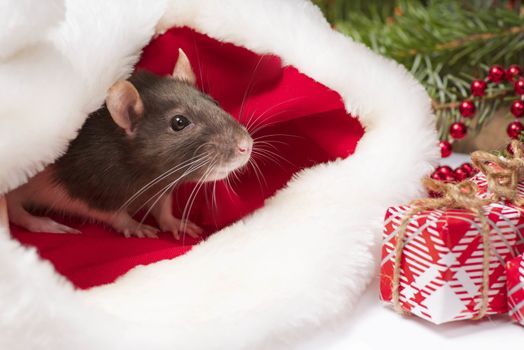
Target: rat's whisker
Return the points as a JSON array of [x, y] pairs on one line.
[[215, 194], [268, 136], [269, 109], [194, 166], [230, 188], [199, 64], [271, 159], [164, 190], [199, 163], [263, 126], [159, 178], [153, 182], [259, 118], [258, 122], [270, 144], [249, 86], [193, 195], [214, 203], [270, 155], [199, 147], [236, 176], [250, 120], [209, 168], [170, 184], [256, 170]]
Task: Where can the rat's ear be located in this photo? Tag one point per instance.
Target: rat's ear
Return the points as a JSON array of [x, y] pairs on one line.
[[125, 105], [183, 70]]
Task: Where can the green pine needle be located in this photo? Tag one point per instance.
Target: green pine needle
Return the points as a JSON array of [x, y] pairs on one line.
[[445, 44]]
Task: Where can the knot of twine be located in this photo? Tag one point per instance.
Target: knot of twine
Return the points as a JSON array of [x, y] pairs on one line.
[[454, 196], [503, 175]]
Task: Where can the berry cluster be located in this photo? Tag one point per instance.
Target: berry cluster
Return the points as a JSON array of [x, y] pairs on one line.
[[446, 173], [467, 108]]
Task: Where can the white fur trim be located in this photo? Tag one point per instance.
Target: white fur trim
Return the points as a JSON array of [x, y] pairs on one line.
[[296, 263], [26, 22]]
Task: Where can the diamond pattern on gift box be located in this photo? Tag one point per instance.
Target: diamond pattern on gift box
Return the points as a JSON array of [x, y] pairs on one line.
[[444, 304], [482, 184], [442, 260], [515, 286], [483, 192]]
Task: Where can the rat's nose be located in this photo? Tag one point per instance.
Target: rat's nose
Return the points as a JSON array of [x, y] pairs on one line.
[[245, 145]]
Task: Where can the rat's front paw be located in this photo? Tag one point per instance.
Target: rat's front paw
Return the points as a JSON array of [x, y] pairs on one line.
[[176, 226], [129, 227], [140, 231], [47, 225]]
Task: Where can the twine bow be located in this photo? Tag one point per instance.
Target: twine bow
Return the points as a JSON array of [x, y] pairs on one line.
[[454, 196], [503, 175]]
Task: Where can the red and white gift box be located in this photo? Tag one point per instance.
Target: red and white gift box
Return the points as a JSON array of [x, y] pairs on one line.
[[483, 191], [441, 270], [515, 285]]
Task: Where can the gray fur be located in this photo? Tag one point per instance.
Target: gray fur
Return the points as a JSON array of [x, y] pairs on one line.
[[104, 167]]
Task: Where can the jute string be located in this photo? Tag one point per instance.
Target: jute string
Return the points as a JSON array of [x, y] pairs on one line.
[[503, 174], [454, 196]]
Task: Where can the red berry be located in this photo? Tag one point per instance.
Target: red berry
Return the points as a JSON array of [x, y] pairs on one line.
[[434, 194], [517, 108], [467, 109], [509, 148], [468, 168], [496, 74], [438, 176], [445, 148], [446, 173], [461, 174], [458, 130], [444, 170], [513, 72], [514, 129], [519, 87], [478, 87], [450, 178]]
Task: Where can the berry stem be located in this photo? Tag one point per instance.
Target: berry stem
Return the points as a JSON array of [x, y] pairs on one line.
[[454, 105]]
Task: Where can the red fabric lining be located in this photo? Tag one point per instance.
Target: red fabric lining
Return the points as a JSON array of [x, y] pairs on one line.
[[303, 119]]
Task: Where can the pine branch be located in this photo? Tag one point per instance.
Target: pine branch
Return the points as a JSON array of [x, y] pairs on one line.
[[444, 43], [455, 104]]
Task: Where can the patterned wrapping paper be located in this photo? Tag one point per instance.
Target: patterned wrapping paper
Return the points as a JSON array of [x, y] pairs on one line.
[[482, 183], [441, 267], [515, 286]]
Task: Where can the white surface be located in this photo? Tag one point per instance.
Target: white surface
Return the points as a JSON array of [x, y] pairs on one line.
[[456, 159], [376, 326], [292, 265]]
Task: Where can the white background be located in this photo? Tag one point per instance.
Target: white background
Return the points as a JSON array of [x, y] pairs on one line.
[[374, 325]]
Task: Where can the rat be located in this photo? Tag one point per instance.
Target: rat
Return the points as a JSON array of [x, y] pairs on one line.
[[152, 134]]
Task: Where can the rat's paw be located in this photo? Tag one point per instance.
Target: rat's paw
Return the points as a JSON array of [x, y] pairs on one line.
[[176, 226], [129, 227], [44, 224], [140, 231]]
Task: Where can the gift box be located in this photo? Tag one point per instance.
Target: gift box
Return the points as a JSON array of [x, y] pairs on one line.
[[483, 190], [501, 178], [442, 261], [515, 287]]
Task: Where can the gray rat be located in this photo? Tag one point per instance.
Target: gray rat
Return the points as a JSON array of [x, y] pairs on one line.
[[152, 134]]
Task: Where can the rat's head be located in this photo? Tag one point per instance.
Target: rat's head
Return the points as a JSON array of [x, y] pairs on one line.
[[170, 123]]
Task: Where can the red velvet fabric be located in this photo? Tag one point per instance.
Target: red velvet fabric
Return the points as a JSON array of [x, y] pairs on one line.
[[304, 121]]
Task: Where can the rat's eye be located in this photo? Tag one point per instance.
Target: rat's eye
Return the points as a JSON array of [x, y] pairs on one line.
[[179, 122]]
